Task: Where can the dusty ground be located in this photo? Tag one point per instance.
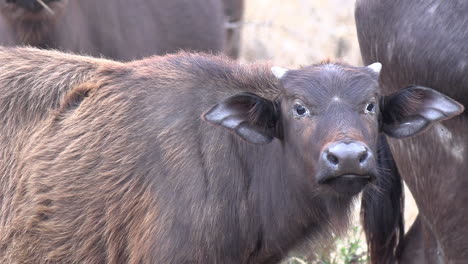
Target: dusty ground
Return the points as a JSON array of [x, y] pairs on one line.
[[300, 32]]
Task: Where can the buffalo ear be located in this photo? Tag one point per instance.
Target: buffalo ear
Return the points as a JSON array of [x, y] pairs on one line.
[[415, 108], [250, 116]]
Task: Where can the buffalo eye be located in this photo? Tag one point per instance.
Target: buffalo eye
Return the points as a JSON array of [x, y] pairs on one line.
[[370, 108], [299, 110]]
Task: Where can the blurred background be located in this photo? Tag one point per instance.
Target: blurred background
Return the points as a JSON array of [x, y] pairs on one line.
[[294, 33], [299, 32]]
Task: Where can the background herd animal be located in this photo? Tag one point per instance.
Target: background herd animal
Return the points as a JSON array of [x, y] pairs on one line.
[[424, 42], [122, 30]]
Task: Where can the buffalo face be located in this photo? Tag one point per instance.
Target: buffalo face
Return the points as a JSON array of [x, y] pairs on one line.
[[328, 117]]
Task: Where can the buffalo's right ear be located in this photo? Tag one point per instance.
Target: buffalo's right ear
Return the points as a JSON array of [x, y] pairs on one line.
[[413, 109], [250, 116]]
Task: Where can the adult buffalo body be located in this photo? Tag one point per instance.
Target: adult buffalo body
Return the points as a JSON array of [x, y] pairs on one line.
[[425, 43], [187, 158], [120, 29]]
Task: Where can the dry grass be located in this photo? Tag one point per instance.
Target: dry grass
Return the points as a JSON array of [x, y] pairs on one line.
[[301, 32]]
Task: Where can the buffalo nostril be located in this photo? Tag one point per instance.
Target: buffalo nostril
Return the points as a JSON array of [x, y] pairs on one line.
[[363, 157], [332, 159]]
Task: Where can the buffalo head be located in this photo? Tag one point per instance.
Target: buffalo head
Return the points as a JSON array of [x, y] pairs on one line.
[[327, 118]]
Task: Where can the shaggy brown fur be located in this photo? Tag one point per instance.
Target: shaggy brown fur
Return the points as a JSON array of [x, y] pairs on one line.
[[119, 29], [105, 162]]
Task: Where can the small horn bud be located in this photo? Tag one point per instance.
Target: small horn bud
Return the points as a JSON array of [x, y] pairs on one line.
[[375, 67], [278, 72]]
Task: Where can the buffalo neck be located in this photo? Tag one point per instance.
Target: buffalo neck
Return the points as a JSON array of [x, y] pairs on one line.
[[287, 206]]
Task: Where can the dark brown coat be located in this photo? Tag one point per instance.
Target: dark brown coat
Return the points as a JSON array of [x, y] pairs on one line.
[[187, 158], [118, 29], [425, 43]]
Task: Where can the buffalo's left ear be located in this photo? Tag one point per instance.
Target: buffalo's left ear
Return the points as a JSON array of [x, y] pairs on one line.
[[250, 116], [415, 108]]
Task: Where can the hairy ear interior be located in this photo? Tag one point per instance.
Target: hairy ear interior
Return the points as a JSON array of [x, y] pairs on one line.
[[251, 117], [412, 110]]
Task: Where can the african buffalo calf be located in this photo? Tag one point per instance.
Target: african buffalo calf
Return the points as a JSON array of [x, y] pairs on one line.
[[187, 158]]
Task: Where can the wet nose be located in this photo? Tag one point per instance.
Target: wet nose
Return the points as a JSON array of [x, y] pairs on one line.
[[349, 155], [346, 167], [347, 158]]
